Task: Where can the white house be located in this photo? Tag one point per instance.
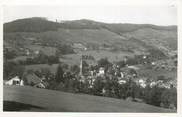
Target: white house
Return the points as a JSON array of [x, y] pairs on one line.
[[144, 57], [27, 52], [153, 63], [37, 52], [133, 67], [142, 83], [122, 81], [152, 84], [101, 71], [15, 81]]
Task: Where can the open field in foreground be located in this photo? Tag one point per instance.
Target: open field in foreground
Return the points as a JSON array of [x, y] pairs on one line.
[[33, 99]]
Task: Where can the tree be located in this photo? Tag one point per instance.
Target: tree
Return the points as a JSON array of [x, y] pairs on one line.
[[46, 72], [132, 61], [168, 97], [175, 62], [104, 63], [75, 69], [85, 67], [65, 66], [19, 70], [153, 95], [133, 72], [85, 64], [65, 49], [121, 63], [98, 86], [11, 69], [161, 77], [156, 54], [53, 60], [59, 74], [9, 54]]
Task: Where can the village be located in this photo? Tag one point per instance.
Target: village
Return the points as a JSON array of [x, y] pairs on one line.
[[118, 80], [72, 65]]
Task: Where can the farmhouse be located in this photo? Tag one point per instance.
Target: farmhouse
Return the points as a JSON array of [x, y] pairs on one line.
[[27, 52], [101, 71], [34, 80], [36, 52], [40, 85], [122, 81], [142, 83], [79, 46], [15, 81]]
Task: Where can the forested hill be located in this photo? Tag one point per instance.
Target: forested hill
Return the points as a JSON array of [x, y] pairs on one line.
[[30, 25], [139, 37], [38, 24]]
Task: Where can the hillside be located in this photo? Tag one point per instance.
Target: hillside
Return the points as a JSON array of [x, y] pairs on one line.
[[135, 38], [34, 99], [35, 24], [162, 38]]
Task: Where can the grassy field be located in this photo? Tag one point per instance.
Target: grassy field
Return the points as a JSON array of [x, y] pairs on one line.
[[20, 58], [46, 50], [164, 38], [74, 59], [112, 56], [33, 99], [153, 74], [52, 68]]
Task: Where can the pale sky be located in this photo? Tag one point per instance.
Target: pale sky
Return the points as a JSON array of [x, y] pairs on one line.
[[158, 15]]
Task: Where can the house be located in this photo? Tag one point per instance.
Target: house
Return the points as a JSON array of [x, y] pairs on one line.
[[91, 80], [82, 79], [40, 85], [144, 57], [31, 38], [37, 52], [33, 80], [153, 63], [152, 84], [133, 67], [15, 81], [101, 71], [79, 46], [27, 52], [142, 83], [122, 81]]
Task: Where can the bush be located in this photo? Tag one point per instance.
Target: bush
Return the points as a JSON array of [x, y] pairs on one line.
[[65, 49], [156, 54], [169, 97]]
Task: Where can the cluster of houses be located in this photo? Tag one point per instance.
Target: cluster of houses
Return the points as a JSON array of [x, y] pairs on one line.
[[122, 75], [29, 79], [29, 52]]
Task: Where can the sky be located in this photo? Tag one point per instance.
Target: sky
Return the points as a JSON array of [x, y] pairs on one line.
[[158, 15]]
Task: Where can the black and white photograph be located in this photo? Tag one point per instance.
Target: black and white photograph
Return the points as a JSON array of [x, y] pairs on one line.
[[90, 58]]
